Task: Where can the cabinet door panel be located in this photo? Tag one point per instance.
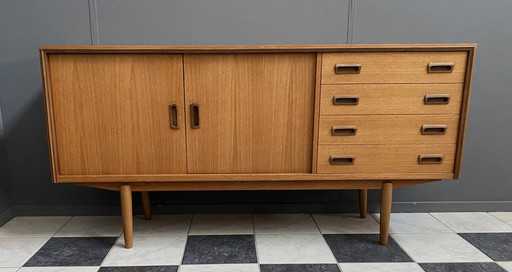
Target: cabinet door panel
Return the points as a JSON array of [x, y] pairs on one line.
[[255, 112], [111, 113]]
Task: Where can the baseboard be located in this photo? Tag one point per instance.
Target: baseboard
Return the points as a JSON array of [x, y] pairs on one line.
[[349, 207], [7, 215]]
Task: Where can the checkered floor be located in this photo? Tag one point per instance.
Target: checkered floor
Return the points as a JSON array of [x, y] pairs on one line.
[[262, 242]]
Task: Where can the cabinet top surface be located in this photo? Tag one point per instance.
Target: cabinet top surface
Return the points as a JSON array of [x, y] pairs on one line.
[[260, 48]]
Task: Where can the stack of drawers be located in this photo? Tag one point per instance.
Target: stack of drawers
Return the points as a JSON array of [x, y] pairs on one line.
[[390, 112]]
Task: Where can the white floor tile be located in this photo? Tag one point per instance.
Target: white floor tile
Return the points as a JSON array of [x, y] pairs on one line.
[[15, 251], [220, 268], [33, 226], [414, 223], [439, 248], [147, 250], [293, 249], [506, 265], [284, 224], [91, 226], [345, 224], [380, 267], [204, 224], [8, 269], [161, 225], [472, 222], [59, 269], [503, 216]]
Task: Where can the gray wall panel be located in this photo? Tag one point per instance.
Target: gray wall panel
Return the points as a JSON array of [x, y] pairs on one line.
[[24, 25], [486, 167], [222, 22]]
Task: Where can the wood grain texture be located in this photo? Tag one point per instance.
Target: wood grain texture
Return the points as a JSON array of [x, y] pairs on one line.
[[386, 159], [464, 112], [397, 67], [386, 199], [316, 116], [49, 116], [257, 177], [127, 214], [256, 112], [256, 185], [391, 99], [111, 113], [259, 48], [388, 129]]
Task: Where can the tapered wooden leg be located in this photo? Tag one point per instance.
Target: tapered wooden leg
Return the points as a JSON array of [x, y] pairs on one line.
[[386, 196], [127, 212], [146, 205], [363, 200]]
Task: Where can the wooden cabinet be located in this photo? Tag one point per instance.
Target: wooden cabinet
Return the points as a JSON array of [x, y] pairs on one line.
[[307, 117]]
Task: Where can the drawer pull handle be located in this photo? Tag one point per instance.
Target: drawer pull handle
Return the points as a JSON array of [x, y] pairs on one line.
[[430, 159], [194, 116], [342, 160], [343, 130], [345, 100], [173, 116], [440, 67], [433, 129], [347, 68], [437, 99]]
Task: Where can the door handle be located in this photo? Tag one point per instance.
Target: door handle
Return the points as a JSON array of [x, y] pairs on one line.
[[173, 116], [194, 116]]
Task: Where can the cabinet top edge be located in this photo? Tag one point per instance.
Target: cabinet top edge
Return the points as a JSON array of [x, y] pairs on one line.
[[258, 48]]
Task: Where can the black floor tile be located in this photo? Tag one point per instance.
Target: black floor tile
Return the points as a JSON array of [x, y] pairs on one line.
[[354, 248], [299, 267], [498, 246], [220, 249], [140, 269], [461, 267], [72, 251]]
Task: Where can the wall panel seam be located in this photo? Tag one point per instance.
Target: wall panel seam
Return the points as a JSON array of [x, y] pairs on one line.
[[93, 19]]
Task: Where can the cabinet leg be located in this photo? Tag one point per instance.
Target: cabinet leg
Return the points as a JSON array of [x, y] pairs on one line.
[[146, 205], [386, 196], [363, 202], [127, 212]]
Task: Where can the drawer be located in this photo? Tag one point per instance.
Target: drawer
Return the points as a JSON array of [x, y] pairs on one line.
[[355, 159], [394, 67], [389, 129], [391, 99]]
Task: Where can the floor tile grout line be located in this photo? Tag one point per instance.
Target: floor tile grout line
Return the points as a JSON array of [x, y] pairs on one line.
[[255, 242], [499, 219], [39, 248], [65, 223], [438, 220], [325, 241]]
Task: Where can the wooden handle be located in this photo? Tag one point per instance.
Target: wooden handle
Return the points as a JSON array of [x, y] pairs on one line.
[[440, 67], [343, 130], [347, 68], [430, 159], [173, 116], [194, 116], [433, 129], [436, 99], [345, 100], [342, 160]]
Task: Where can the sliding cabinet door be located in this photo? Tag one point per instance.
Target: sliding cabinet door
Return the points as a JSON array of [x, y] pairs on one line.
[[249, 113], [112, 113]]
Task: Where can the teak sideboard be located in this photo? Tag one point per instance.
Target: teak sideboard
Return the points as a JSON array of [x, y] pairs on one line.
[[305, 117]]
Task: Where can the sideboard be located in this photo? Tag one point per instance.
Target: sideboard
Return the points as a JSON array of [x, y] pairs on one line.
[[301, 117]]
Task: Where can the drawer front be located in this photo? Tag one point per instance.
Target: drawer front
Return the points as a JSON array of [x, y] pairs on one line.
[[394, 67], [391, 99], [357, 159], [389, 129]]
